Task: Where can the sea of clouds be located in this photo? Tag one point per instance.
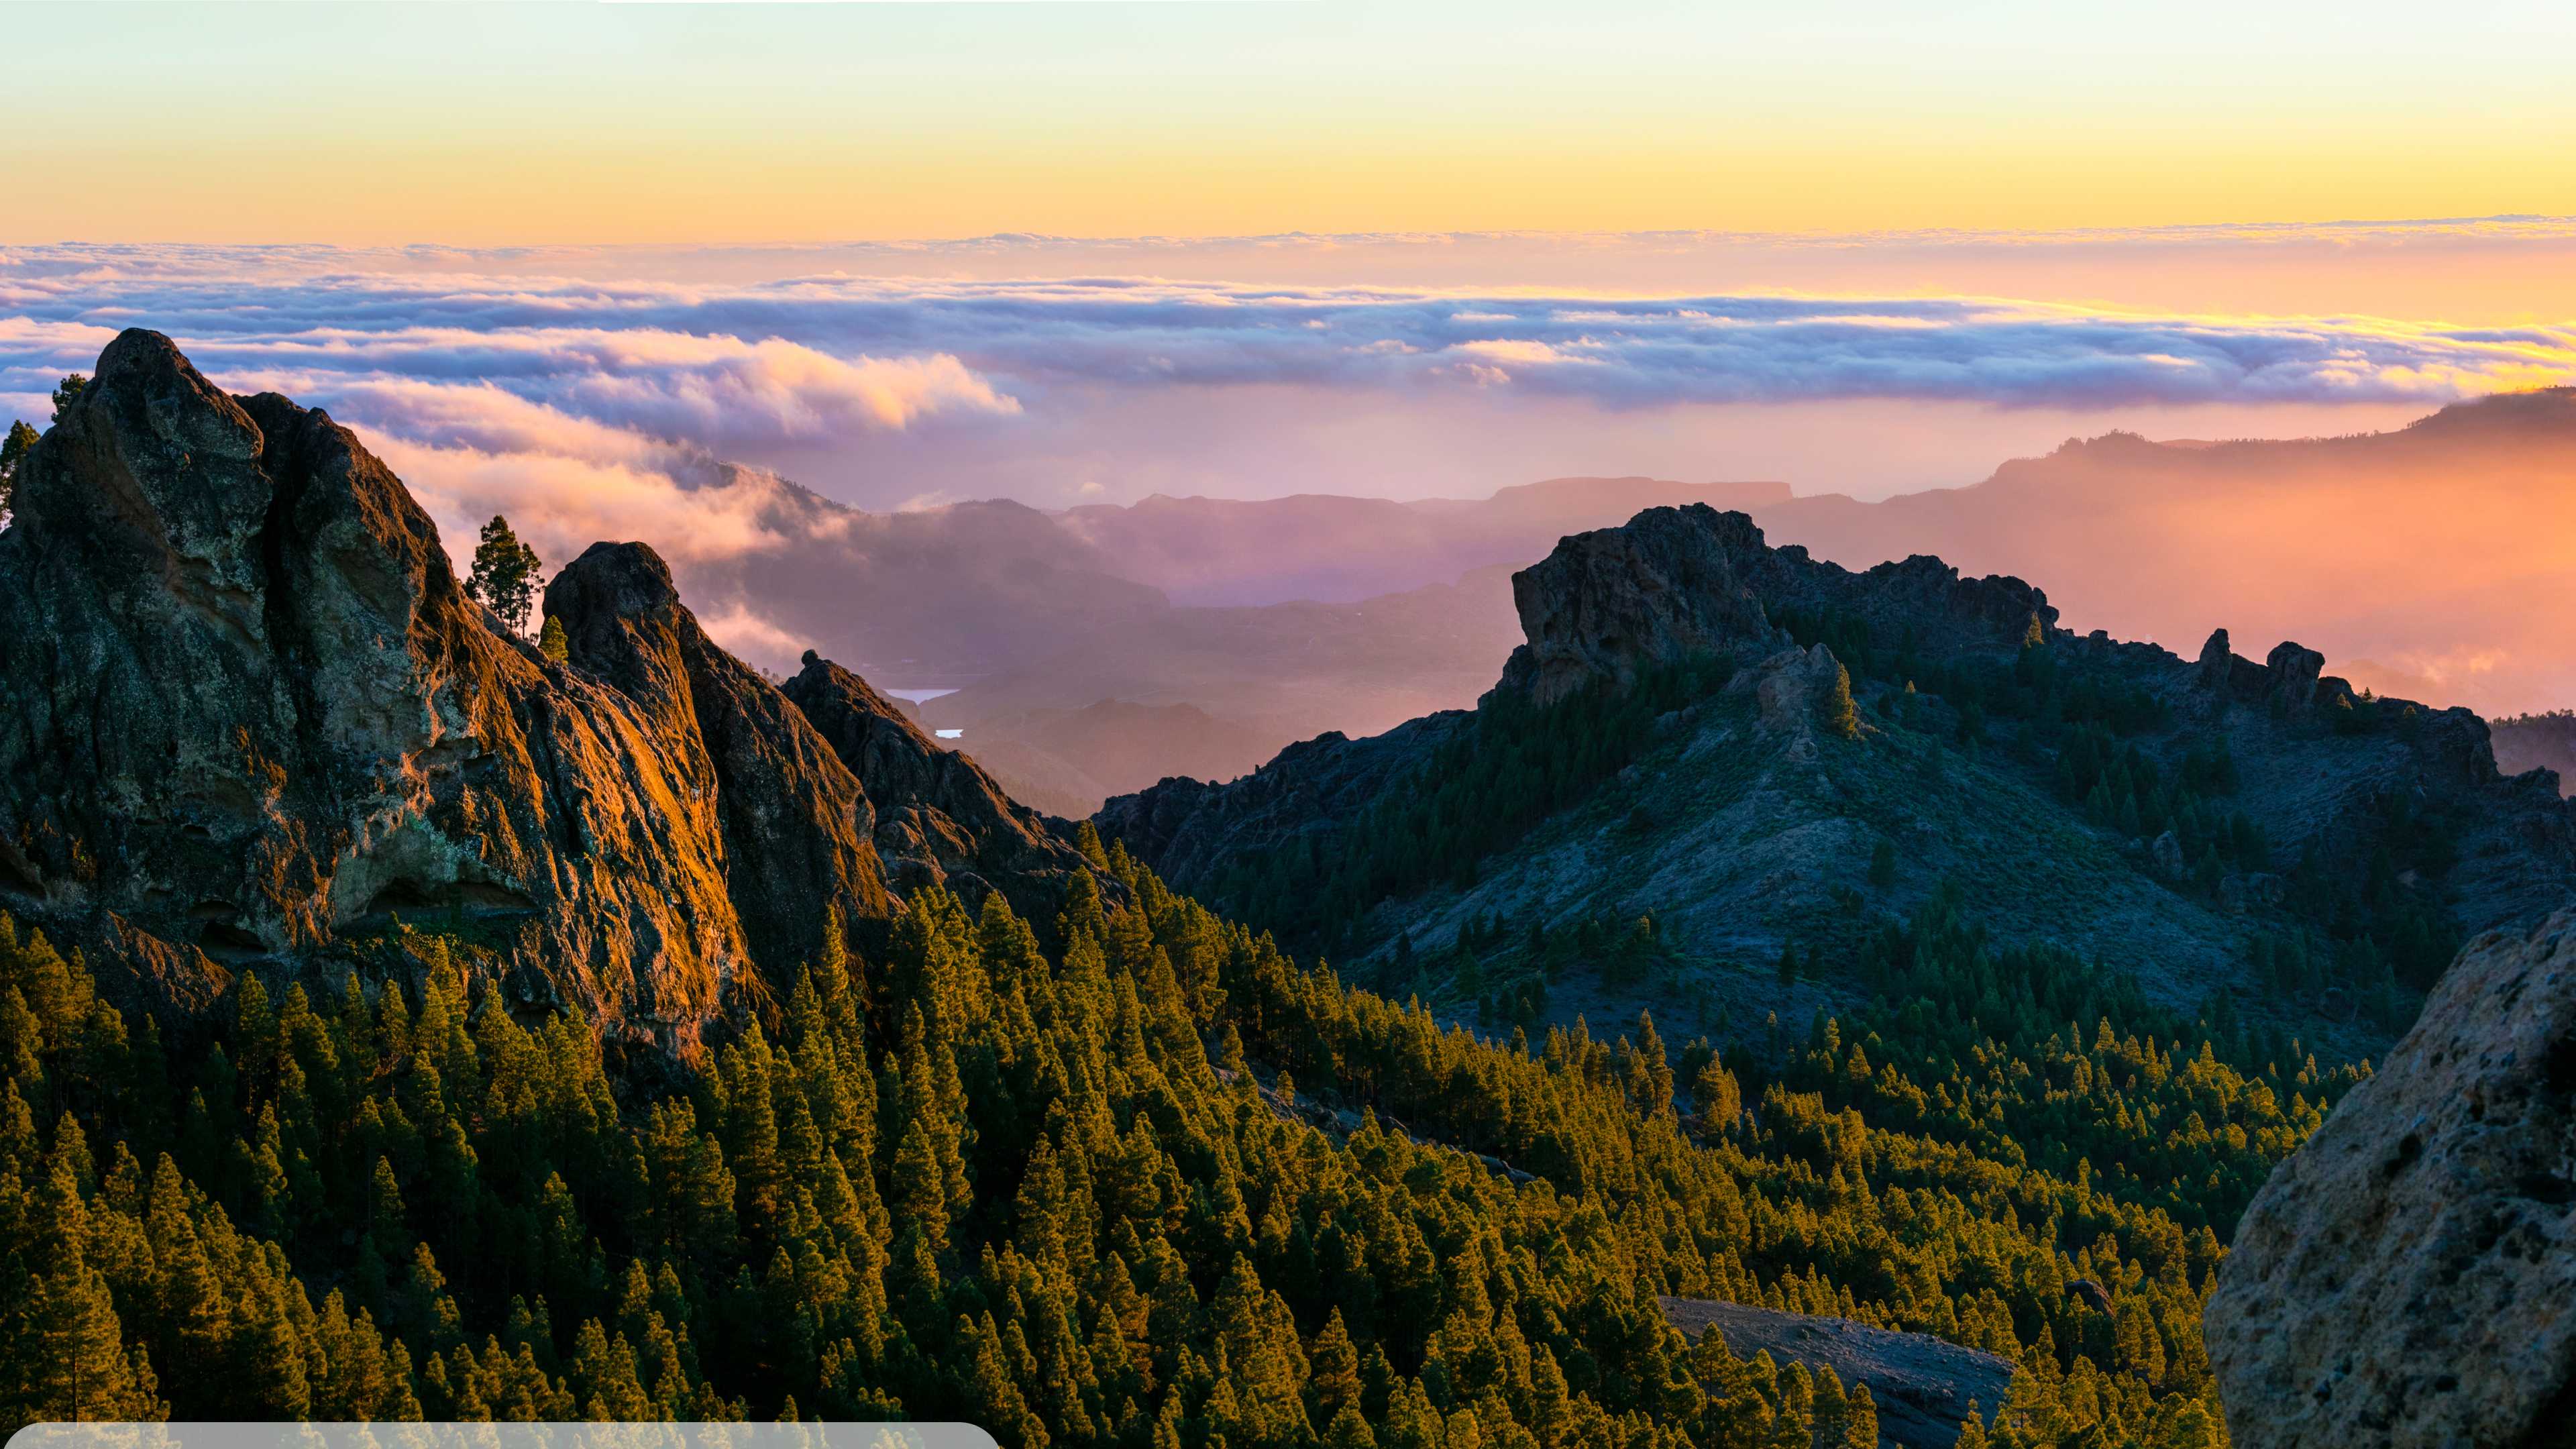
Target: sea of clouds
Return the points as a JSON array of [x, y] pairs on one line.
[[590, 392]]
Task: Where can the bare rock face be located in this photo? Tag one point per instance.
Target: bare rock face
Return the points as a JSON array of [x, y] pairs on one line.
[[940, 820], [254, 715], [795, 825], [1790, 686], [2409, 1276], [1672, 583], [1607, 602]]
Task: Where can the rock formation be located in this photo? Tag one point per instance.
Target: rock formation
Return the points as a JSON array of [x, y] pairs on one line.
[[254, 719], [940, 818], [793, 825], [2408, 1277], [1924, 1387], [1676, 582]]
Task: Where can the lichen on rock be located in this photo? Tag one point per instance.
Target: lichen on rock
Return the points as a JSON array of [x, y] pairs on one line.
[[2408, 1277]]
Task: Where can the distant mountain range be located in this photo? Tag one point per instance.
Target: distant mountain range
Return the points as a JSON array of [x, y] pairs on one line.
[[1344, 613], [2538, 742], [1334, 549], [1235, 627], [2426, 557]]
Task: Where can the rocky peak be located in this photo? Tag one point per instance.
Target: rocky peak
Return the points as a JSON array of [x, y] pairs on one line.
[[1738, 817], [796, 824], [1606, 603], [1676, 582], [939, 819], [257, 722]]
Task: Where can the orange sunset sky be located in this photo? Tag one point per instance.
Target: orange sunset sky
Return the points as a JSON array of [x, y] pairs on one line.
[[552, 258]]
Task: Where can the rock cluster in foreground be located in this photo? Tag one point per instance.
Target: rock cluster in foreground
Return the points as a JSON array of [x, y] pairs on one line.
[[2409, 1276]]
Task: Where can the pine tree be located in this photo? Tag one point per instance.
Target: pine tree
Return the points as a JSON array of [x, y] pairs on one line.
[[1333, 1371], [551, 641], [504, 579], [65, 1355], [1716, 1093], [1841, 716], [13, 451]]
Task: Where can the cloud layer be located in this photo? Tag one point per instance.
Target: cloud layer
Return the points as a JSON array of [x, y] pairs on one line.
[[806, 357], [589, 392]]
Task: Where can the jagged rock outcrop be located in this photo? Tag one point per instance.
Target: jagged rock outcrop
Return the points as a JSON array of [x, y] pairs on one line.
[[1791, 686], [255, 712], [254, 717], [2408, 1277], [2291, 681], [1676, 582], [795, 826], [940, 818], [1607, 602]]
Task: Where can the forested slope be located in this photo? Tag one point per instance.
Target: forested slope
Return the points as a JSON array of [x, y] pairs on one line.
[[1021, 1175]]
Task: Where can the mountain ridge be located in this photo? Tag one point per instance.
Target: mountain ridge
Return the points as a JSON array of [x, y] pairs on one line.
[[2168, 816]]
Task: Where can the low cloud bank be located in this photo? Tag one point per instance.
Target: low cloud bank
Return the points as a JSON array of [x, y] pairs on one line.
[[590, 394]]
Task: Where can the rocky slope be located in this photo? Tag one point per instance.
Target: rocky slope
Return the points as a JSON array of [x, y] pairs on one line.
[[1924, 1387], [2408, 1277], [1741, 822], [940, 819], [256, 722]]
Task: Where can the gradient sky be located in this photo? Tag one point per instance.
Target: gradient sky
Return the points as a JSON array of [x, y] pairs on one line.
[[559, 261], [583, 123]]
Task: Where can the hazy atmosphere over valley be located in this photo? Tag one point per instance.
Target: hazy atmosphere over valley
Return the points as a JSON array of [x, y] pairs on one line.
[[1195, 726]]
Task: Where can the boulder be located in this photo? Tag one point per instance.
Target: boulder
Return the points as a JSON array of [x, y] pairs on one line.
[[2166, 852], [2408, 1277]]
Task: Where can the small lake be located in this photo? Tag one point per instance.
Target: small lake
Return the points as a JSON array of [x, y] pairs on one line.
[[950, 734]]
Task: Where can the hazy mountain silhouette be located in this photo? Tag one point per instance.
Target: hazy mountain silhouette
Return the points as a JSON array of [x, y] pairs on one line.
[[1280, 619], [1337, 549], [2427, 556]]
